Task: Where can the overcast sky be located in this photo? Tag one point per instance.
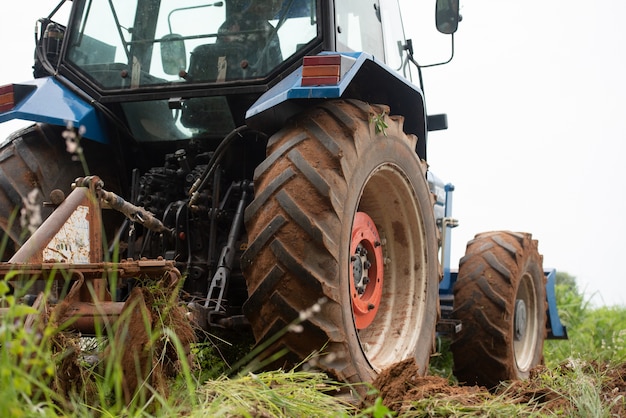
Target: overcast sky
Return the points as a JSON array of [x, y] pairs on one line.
[[535, 102]]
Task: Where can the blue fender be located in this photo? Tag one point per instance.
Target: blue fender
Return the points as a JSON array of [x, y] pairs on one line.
[[368, 79], [46, 100], [556, 330]]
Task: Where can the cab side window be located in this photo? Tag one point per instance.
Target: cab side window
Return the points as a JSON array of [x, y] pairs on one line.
[[358, 27]]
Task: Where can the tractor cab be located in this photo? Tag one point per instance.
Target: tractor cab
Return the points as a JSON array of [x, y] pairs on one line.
[[164, 66], [184, 69], [129, 45]]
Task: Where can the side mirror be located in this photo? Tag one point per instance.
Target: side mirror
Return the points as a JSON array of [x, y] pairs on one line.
[[447, 16], [173, 54]]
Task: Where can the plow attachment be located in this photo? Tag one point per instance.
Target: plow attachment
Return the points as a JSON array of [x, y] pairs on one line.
[[66, 253], [62, 273], [88, 305]]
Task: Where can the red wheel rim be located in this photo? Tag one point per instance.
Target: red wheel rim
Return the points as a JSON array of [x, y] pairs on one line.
[[366, 270]]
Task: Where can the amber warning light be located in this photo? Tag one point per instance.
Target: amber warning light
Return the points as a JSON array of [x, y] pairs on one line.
[[7, 99], [324, 70]]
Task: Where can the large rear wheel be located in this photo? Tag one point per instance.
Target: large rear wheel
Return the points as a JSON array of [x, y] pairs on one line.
[[500, 298], [34, 162], [343, 214]]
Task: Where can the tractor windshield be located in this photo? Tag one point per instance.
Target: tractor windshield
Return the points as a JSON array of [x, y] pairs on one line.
[[128, 44]]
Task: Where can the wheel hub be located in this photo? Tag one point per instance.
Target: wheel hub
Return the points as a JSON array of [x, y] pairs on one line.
[[360, 269], [520, 319], [366, 272]]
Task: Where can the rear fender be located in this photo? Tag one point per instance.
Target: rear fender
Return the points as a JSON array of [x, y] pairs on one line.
[[556, 330], [365, 78], [46, 100]]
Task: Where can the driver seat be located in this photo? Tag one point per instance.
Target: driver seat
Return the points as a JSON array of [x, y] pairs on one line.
[[217, 63]]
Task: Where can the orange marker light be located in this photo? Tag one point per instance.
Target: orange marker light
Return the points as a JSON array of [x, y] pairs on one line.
[[321, 70], [7, 98]]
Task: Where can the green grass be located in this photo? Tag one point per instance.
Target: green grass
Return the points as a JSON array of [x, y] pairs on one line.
[[44, 371], [599, 333], [573, 383], [272, 394]]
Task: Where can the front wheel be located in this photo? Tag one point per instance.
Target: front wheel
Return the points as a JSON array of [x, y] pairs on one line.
[[500, 298], [343, 214]]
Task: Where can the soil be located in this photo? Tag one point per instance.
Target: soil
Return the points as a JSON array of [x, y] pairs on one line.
[[400, 385], [401, 388], [146, 313], [144, 353], [615, 386]]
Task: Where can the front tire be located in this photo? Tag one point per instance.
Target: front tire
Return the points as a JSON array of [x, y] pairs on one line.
[[343, 214], [500, 298]]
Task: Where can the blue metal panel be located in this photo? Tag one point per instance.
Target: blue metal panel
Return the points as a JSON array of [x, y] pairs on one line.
[[446, 284], [290, 88], [288, 98], [51, 102], [557, 330]]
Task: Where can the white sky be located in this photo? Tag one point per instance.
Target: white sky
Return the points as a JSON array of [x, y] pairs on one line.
[[535, 102]]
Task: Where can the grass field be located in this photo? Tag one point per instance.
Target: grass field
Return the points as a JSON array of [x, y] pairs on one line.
[[44, 372]]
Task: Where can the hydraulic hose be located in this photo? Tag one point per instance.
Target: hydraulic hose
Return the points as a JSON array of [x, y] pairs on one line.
[[217, 156]]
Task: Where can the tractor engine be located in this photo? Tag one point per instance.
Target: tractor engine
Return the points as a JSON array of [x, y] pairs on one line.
[[198, 225]]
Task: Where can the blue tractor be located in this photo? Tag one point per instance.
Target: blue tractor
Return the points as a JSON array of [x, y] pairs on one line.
[[272, 154]]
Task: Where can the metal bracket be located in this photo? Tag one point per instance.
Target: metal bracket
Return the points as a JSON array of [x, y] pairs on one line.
[[219, 283], [449, 326]]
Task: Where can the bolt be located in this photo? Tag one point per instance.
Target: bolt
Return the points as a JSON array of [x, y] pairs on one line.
[[57, 197], [353, 258], [367, 264], [366, 280], [377, 244], [370, 307]]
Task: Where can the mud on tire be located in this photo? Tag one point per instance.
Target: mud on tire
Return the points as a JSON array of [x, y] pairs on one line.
[[500, 298], [323, 171]]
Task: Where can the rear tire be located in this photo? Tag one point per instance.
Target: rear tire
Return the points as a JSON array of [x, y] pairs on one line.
[[35, 158], [330, 188], [500, 298]]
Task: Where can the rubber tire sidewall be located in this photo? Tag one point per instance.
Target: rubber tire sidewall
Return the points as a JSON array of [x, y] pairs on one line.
[[484, 300], [369, 161], [535, 270], [299, 230]]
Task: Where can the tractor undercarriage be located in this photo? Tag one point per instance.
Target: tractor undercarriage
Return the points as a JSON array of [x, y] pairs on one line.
[[66, 257]]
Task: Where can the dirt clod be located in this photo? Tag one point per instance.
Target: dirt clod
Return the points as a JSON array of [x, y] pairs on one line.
[[401, 384], [402, 388], [147, 353]]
